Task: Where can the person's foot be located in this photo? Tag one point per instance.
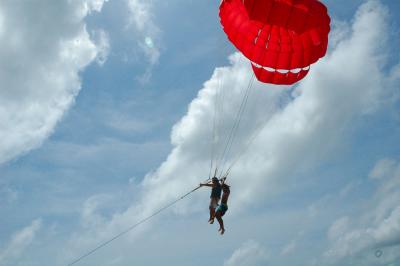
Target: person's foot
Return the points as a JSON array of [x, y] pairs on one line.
[[219, 229], [211, 221], [222, 231]]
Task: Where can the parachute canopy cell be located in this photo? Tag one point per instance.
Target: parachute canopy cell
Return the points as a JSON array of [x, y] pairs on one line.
[[281, 38]]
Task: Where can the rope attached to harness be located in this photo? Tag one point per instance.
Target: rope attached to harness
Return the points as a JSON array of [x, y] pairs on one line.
[[221, 159], [132, 227]]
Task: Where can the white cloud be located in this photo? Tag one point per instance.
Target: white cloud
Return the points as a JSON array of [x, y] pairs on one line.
[[293, 134], [378, 224], [338, 227], [300, 130], [91, 218], [289, 248], [340, 29], [19, 242], [142, 16], [102, 42], [94, 5], [383, 168], [388, 231], [147, 31], [41, 56], [249, 254]]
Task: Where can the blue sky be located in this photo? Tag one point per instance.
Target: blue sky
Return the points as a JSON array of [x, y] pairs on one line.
[[106, 111]]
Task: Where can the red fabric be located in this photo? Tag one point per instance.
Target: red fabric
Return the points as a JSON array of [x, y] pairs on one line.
[[277, 35]]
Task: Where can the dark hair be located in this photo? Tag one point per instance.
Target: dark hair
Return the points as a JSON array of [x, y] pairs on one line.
[[225, 187]]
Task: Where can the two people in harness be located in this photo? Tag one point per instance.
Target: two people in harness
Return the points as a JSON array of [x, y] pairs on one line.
[[218, 210]]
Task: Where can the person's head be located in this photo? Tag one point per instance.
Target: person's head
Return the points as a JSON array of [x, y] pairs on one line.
[[215, 180], [225, 188]]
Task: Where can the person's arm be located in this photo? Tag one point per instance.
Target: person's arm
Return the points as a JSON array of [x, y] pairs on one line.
[[206, 185]]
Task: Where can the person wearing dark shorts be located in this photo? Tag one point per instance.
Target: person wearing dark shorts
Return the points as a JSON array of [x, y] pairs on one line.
[[223, 207], [214, 197]]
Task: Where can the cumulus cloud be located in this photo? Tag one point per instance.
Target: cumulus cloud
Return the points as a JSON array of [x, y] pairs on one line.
[[19, 242], [93, 5], [376, 227], [44, 46], [299, 126], [249, 254], [91, 218], [305, 128]]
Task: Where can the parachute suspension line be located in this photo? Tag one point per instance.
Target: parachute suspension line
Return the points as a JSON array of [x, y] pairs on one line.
[[255, 134], [220, 111], [132, 227], [216, 171], [246, 147], [235, 126], [217, 103], [229, 136]]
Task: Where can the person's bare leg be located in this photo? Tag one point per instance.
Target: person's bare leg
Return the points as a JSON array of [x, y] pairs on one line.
[[212, 215], [213, 204], [221, 223]]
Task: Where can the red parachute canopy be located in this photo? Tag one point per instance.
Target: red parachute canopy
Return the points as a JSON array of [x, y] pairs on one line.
[[281, 38]]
